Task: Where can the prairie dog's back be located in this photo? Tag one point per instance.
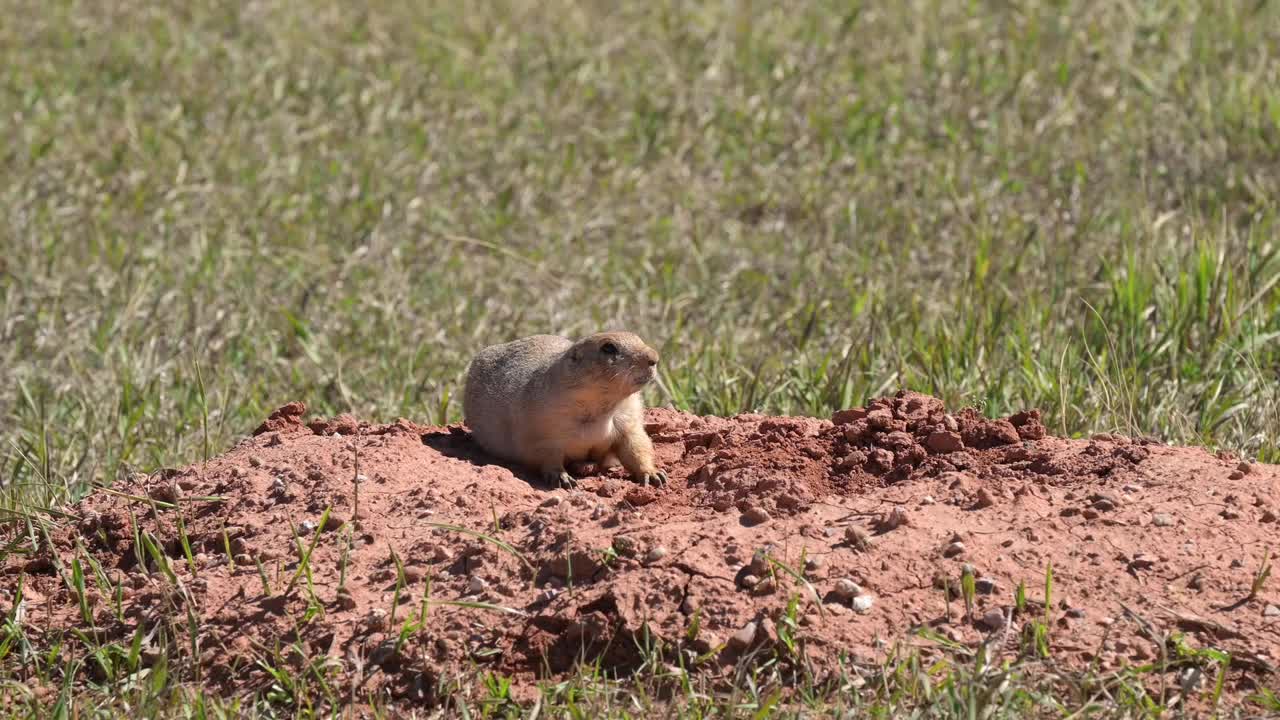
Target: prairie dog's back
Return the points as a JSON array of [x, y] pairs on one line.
[[496, 381]]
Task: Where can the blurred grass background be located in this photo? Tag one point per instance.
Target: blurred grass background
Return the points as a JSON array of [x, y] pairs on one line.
[[213, 208]]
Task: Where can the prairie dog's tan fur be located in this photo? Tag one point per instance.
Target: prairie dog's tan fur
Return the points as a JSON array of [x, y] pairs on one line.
[[545, 401]]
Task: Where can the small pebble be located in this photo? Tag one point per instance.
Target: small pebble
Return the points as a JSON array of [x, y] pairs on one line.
[[846, 589], [655, 555], [863, 603], [759, 564], [750, 581], [307, 526], [927, 500], [165, 493], [813, 564], [755, 516], [1190, 679], [1141, 562], [1245, 467], [1268, 516], [953, 549], [993, 619], [1271, 611], [625, 545], [857, 538], [1162, 520], [552, 501], [986, 586], [476, 585], [742, 639]]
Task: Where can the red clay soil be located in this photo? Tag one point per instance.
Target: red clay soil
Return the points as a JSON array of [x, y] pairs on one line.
[[880, 508]]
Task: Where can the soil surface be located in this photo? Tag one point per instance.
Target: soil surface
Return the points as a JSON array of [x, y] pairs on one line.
[[880, 509]]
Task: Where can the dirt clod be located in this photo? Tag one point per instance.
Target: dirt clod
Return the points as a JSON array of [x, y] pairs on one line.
[[892, 520], [985, 499], [944, 441]]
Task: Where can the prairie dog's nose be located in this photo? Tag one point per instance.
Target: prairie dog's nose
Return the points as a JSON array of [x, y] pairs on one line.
[[651, 358]]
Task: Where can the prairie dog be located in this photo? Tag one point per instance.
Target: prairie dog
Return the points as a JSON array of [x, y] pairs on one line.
[[545, 400]]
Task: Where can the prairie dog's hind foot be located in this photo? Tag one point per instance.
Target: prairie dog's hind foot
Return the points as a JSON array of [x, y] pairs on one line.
[[558, 477]]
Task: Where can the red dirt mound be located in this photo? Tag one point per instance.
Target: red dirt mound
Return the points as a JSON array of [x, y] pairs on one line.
[[409, 557]]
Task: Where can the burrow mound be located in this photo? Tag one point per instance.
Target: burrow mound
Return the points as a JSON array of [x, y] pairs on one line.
[[407, 558]]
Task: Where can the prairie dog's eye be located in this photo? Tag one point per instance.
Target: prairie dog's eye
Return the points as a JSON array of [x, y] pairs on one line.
[[609, 349]]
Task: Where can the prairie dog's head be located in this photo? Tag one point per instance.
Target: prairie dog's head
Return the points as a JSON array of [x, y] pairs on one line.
[[620, 359]]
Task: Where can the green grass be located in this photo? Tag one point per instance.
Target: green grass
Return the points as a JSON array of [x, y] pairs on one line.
[[210, 209]]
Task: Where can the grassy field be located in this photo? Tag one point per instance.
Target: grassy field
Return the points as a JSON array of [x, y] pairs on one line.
[[210, 209]]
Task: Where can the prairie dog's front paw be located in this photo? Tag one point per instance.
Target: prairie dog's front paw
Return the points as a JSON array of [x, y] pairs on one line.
[[656, 478]]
